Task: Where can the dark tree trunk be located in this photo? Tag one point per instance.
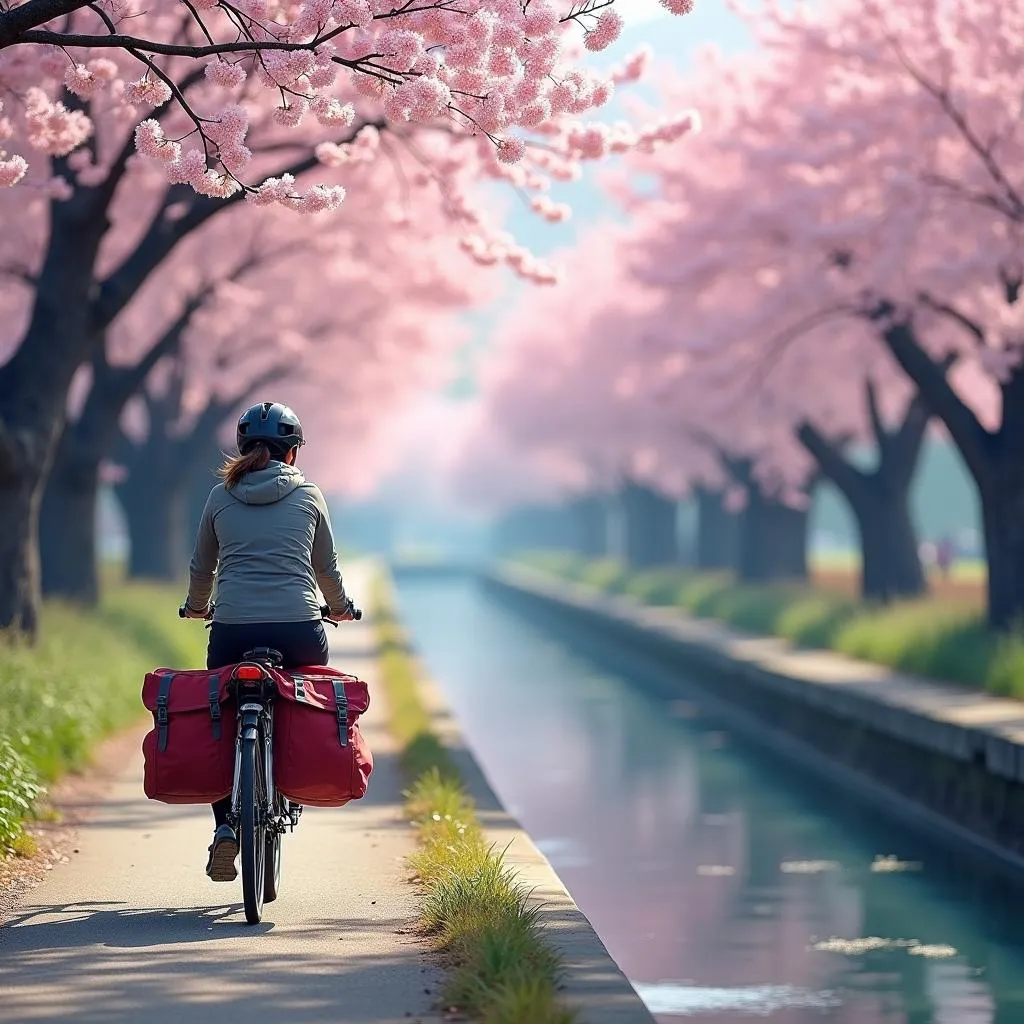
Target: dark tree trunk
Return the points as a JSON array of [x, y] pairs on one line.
[[19, 553], [153, 497], [772, 535], [33, 392], [67, 527], [650, 527], [880, 498], [717, 531], [156, 529], [589, 517], [994, 459], [773, 540]]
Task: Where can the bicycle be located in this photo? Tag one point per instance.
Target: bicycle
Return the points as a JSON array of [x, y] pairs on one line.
[[259, 814]]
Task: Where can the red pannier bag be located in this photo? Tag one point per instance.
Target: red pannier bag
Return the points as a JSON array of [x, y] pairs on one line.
[[190, 751], [320, 756]]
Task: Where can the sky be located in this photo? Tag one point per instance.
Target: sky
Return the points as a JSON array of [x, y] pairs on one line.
[[674, 40]]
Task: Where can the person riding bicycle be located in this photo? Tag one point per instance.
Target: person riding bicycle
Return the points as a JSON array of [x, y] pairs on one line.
[[265, 536]]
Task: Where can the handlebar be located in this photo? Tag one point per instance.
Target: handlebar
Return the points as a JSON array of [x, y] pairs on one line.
[[325, 611]]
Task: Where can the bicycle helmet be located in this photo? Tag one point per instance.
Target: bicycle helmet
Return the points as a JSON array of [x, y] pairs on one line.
[[272, 423]]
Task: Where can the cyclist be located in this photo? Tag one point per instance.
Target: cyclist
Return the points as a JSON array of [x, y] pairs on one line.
[[266, 537]]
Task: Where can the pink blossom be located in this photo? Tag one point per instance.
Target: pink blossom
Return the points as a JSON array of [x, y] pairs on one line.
[[150, 141], [677, 6], [52, 128], [333, 113], [554, 213], [401, 48], [12, 169], [320, 198], [511, 149], [235, 158], [220, 72], [81, 81], [149, 92], [330, 154], [503, 62], [353, 12], [291, 115], [535, 113], [541, 18], [605, 32]]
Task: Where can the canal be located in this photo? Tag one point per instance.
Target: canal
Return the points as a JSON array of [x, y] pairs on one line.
[[727, 883]]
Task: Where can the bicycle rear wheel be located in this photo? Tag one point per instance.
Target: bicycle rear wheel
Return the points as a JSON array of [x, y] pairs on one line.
[[252, 839], [272, 856]]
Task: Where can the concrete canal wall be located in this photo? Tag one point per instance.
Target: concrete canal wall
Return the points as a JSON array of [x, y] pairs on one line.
[[948, 758]]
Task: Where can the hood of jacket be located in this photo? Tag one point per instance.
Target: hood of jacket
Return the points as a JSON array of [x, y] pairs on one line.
[[265, 486]]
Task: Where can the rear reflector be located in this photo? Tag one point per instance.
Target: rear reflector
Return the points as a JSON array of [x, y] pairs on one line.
[[248, 672]]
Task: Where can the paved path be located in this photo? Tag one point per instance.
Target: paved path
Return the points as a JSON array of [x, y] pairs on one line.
[[132, 930]]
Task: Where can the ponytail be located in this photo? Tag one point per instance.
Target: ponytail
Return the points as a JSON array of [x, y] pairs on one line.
[[236, 466]]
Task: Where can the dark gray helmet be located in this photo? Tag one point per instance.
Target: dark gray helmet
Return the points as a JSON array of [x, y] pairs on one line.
[[271, 422]]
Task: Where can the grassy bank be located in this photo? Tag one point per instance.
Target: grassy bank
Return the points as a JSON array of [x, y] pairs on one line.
[[81, 682], [503, 971], [942, 639]]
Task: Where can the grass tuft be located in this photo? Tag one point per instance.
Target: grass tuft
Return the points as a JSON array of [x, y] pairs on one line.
[[472, 904], [944, 638]]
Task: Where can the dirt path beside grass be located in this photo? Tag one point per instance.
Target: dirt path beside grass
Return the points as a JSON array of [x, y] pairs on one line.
[[130, 929]]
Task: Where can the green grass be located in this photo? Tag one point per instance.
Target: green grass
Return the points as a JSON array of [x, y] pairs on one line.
[[942, 639], [503, 970], [79, 683]]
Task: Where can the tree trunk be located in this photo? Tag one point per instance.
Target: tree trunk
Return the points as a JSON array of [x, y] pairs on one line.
[[34, 385], [67, 526], [773, 540], [589, 526], [717, 531], [155, 510], [650, 527], [890, 564], [880, 498], [1002, 508], [19, 552]]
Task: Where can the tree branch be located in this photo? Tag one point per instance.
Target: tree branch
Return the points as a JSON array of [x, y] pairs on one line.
[[828, 456], [949, 310], [937, 393], [162, 235]]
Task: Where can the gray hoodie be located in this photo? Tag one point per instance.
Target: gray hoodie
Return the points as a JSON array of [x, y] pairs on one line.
[[268, 543]]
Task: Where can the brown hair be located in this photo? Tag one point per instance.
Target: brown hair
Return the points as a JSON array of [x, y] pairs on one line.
[[236, 466]]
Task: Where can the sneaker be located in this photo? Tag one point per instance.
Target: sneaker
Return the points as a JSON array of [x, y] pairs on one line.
[[223, 851]]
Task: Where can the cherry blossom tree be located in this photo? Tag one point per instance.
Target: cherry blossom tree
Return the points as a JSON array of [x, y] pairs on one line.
[[900, 176], [498, 95], [749, 289]]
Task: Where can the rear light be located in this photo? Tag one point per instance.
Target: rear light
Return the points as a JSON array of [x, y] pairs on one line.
[[249, 672]]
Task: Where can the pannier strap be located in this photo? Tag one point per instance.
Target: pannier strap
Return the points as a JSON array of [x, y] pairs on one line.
[[215, 705], [161, 710], [300, 688], [341, 706]]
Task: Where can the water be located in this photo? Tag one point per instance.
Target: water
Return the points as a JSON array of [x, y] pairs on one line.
[[727, 884]]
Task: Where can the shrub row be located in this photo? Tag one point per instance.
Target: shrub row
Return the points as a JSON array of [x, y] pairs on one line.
[[946, 641]]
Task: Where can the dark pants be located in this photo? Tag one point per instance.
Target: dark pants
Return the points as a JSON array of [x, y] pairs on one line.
[[300, 643]]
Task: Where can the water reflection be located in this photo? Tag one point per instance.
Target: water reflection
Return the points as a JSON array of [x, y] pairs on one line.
[[726, 885]]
